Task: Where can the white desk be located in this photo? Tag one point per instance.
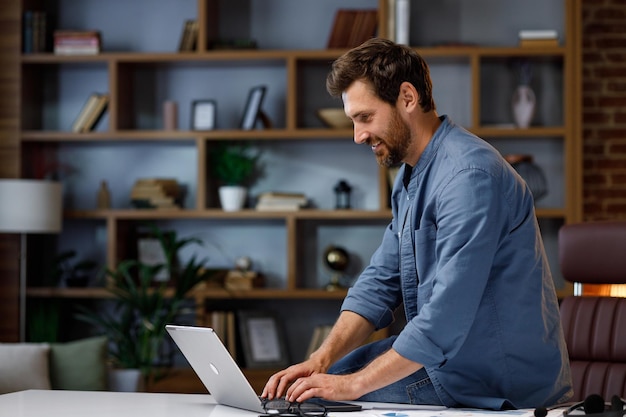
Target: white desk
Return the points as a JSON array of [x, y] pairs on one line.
[[50, 403]]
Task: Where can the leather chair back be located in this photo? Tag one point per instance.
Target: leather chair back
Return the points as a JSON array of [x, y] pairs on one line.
[[595, 326]]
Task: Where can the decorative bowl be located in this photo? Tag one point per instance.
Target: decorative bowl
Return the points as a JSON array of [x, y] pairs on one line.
[[335, 118]]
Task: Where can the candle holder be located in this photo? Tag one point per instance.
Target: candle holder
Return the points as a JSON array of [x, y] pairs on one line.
[[342, 195]]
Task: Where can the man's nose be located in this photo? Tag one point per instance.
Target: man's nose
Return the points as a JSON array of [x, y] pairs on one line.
[[360, 135]]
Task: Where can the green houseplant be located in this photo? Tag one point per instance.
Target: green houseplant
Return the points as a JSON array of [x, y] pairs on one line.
[[235, 167], [74, 273], [136, 325], [234, 164]]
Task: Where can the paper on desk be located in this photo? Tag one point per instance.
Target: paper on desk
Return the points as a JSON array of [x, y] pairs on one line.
[[427, 411]]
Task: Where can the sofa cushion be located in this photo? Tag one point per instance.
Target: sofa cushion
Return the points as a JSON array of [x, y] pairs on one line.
[[79, 365], [24, 366]]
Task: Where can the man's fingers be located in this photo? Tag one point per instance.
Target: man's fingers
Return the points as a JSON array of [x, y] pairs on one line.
[[273, 388]]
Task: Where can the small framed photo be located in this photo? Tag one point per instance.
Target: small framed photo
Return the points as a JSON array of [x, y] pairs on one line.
[[262, 339], [203, 114], [150, 252], [253, 107]]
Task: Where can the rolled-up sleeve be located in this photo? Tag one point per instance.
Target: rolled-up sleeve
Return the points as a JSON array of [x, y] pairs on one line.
[[377, 293]]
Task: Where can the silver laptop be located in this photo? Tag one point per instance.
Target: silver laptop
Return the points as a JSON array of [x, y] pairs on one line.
[[219, 372]]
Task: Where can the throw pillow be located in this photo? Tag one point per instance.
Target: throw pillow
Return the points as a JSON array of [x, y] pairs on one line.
[[79, 365], [23, 366]]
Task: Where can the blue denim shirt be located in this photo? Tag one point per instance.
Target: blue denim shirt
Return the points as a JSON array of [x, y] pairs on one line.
[[465, 255]]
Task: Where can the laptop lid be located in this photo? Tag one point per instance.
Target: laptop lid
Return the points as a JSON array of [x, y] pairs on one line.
[[213, 364], [221, 375]]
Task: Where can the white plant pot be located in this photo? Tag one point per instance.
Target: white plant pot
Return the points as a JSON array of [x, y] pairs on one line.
[[232, 197], [125, 380]]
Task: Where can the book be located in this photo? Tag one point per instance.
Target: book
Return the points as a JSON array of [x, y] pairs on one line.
[[342, 26], [391, 20], [277, 201], [96, 113], [39, 31], [189, 36], [27, 31], [278, 207], [281, 197], [352, 27], [85, 111], [76, 42], [167, 185], [193, 39], [231, 334], [538, 34], [364, 27], [34, 31], [538, 43], [163, 193], [184, 37], [223, 324]]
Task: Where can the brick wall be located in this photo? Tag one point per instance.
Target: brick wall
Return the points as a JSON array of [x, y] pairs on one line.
[[604, 109]]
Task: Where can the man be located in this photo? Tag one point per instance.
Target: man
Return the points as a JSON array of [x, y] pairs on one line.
[[463, 253]]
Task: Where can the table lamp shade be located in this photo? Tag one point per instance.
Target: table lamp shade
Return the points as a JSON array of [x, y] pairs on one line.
[[30, 206]]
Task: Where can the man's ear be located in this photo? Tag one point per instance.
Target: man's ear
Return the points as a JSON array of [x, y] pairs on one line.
[[408, 99]]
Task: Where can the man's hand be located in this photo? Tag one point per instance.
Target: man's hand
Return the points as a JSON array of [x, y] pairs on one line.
[[330, 387], [382, 371], [348, 333], [277, 385]]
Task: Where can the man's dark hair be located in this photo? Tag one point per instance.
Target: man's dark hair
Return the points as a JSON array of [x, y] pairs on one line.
[[384, 65]]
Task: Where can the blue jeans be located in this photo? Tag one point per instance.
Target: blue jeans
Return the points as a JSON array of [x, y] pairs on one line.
[[414, 389]]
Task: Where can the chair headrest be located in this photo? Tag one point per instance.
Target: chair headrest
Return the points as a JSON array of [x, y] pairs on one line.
[[593, 252]]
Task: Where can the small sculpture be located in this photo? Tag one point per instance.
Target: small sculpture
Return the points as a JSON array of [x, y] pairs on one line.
[[337, 260]]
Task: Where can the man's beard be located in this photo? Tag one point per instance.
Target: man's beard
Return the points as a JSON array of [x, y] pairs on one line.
[[397, 139]]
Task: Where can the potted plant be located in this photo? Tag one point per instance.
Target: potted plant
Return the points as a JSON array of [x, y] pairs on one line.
[[74, 273], [234, 166], [136, 325]]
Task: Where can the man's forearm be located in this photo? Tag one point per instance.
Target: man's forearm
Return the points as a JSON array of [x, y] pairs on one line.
[[349, 332], [384, 370]]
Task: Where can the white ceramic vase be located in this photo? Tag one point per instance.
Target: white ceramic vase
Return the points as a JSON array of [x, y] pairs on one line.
[[232, 197], [523, 105], [125, 380]]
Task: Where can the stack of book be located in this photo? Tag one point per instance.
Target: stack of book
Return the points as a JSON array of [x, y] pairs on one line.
[[91, 113], [162, 193], [277, 201], [35, 37], [223, 323], [237, 280], [538, 38], [70, 42], [352, 27]]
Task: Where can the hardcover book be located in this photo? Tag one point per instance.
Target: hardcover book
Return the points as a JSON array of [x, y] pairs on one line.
[[85, 111]]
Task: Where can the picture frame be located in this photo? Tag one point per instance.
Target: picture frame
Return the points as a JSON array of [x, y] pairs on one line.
[[262, 339], [203, 114], [253, 107], [150, 252]]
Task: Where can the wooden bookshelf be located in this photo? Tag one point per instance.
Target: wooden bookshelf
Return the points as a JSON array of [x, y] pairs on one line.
[[120, 71]]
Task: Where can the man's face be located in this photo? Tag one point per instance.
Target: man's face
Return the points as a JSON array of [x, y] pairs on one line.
[[377, 124]]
